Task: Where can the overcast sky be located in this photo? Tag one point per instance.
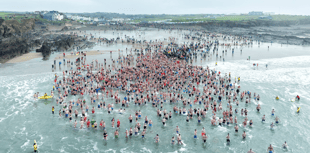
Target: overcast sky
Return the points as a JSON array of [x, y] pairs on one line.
[[298, 7]]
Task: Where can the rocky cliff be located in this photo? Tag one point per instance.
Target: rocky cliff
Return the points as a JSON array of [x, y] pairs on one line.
[[11, 28], [14, 38], [12, 48], [62, 43]]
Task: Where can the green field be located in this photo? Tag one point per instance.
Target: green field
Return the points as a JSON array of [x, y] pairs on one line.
[[3, 14]]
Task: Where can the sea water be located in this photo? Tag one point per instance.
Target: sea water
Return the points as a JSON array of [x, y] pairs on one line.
[[23, 119]]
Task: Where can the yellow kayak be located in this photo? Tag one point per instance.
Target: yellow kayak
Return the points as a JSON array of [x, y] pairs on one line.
[[45, 97]]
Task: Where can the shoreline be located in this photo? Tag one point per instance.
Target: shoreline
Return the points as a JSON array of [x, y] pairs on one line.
[[88, 53]]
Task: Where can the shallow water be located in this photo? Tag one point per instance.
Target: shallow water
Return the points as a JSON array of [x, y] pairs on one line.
[[22, 119]]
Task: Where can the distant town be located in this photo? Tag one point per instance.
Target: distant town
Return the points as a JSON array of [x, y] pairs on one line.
[[102, 18]]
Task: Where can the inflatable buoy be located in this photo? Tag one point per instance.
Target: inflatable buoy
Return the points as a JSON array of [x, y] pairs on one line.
[[45, 97], [293, 100], [298, 108]]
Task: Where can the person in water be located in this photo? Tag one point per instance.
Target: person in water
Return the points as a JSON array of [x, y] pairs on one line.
[[250, 151], [263, 118], [272, 112], [277, 119], [156, 138], [243, 135], [270, 149], [271, 125], [35, 147], [228, 139], [285, 145]]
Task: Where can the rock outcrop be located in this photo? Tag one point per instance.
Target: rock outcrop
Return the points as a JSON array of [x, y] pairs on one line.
[[14, 38], [12, 48], [62, 43]]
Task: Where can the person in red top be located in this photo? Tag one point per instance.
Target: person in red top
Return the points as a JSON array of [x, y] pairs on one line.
[[88, 123], [118, 123], [93, 110]]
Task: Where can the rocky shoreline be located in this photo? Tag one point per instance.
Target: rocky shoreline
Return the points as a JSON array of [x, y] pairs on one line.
[[283, 32], [63, 43], [17, 39]]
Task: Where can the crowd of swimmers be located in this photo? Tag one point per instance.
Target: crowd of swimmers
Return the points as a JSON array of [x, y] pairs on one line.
[[154, 80]]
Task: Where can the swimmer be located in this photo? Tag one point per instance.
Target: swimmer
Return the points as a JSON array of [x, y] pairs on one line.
[[116, 134], [195, 134], [88, 123], [82, 123], [285, 145], [105, 135], [179, 139], [243, 135], [95, 125], [177, 129], [35, 146], [126, 133], [251, 122], [258, 107], [298, 109], [150, 123], [220, 121], [236, 128], [277, 119], [250, 151], [156, 138], [118, 123], [143, 133], [204, 138], [272, 112], [172, 140], [164, 121], [228, 139], [270, 149], [130, 118], [75, 124], [271, 125], [263, 118]]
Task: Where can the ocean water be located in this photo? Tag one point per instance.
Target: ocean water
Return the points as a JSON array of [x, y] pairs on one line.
[[23, 119]]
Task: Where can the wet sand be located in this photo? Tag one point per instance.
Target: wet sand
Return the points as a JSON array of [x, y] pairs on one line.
[[88, 53], [25, 57]]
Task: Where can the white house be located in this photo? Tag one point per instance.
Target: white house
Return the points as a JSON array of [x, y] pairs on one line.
[[95, 19], [118, 19], [86, 18]]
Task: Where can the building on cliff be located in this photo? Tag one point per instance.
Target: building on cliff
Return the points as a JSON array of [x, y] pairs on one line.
[[53, 16]]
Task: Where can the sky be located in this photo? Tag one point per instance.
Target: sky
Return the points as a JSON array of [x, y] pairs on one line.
[[293, 7]]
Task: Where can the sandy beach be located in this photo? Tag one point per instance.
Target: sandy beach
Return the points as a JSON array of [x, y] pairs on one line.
[[25, 57]]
